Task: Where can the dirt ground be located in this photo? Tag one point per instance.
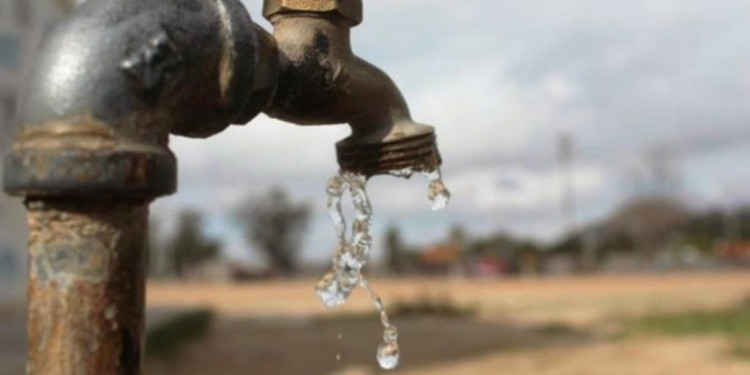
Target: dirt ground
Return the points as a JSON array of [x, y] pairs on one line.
[[555, 326]]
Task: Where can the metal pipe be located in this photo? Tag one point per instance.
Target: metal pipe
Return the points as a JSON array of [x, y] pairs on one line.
[[110, 83], [321, 81], [86, 289]]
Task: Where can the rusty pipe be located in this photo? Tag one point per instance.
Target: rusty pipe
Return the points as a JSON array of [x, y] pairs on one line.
[[86, 292], [109, 84], [116, 77], [321, 81]]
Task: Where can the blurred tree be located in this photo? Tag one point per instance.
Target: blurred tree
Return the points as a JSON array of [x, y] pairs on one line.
[[705, 230], [643, 227], [189, 247], [277, 227], [458, 236], [742, 216], [657, 173], [528, 258], [650, 222], [394, 248]]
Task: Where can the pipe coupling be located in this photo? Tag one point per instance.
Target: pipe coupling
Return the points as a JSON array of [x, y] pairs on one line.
[[116, 77]]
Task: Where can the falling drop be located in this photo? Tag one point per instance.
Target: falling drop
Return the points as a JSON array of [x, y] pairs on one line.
[[437, 192], [405, 173], [390, 334], [329, 290], [388, 355], [353, 253], [335, 190]]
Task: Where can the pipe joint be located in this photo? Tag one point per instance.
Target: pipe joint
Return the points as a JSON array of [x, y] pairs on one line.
[[115, 78]]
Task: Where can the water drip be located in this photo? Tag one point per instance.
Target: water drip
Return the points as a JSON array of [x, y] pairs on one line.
[[353, 253]]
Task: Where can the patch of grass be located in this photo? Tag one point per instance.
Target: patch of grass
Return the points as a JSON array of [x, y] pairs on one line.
[[166, 338], [741, 347], [733, 324]]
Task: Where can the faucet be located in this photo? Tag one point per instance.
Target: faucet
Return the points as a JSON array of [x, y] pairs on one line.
[[109, 85], [321, 81]]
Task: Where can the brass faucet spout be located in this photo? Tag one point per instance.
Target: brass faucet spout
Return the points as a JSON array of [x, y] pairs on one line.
[[321, 81]]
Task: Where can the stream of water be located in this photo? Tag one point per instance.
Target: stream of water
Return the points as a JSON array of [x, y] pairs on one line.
[[353, 252]]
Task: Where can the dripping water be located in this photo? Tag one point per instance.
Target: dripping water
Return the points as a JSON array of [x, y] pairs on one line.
[[353, 253]]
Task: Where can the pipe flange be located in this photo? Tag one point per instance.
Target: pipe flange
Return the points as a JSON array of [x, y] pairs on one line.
[[124, 171]]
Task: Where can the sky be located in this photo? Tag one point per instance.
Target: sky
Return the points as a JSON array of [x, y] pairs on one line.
[[501, 81]]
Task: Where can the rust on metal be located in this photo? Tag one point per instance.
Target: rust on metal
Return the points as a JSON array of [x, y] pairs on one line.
[[93, 151], [81, 131], [86, 286], [81, 156]]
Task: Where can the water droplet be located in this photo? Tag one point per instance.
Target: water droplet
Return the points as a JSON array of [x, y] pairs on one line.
[[348, 280], [384, 320], [405, 173], [336, 185], [353, 253], [437, 192], [390, 334], [330, 291], [439, 196], [388, 355], [335, 190]]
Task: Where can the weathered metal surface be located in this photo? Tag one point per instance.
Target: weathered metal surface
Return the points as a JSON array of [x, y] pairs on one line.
[[136, 64], [115, 78], [321, 81], [86, 286], [82, 157], [266, 76], [417, 153], [350, 9], [109, 85]]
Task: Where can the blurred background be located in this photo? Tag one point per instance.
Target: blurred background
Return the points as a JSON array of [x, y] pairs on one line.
[[597, 152]]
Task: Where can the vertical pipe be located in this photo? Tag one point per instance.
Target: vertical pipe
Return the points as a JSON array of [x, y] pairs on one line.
[[96, 111], [88, 260]]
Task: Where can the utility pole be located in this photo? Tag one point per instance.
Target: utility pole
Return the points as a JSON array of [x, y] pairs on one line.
[[565, 150], [566, 159]]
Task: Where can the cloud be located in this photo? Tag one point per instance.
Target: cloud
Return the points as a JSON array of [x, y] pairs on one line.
[[501, 80]]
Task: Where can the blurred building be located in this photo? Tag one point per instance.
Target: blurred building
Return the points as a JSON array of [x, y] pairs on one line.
[[22, 24], [735, 253], [440, 260]]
